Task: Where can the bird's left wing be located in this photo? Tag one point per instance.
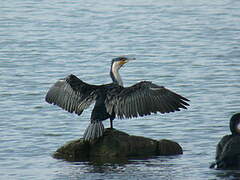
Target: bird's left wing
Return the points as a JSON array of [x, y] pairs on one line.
[[143, 99], [72, 94]]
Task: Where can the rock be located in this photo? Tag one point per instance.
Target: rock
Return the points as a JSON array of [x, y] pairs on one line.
[[167, 147], [116, 146], [76, 150]]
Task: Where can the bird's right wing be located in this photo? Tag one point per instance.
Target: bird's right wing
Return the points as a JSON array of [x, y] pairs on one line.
[[72, 94]]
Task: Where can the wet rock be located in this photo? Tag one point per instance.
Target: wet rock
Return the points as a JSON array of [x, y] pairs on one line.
[[167, 147], [76, 150], [116, 146]]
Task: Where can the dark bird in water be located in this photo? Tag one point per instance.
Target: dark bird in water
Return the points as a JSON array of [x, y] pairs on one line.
[[113, 100], [228, 148]]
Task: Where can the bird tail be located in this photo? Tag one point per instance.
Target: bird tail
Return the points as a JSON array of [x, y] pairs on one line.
[[94, 130]]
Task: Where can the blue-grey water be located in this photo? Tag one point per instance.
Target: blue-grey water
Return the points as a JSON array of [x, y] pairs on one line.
[[191, 47]]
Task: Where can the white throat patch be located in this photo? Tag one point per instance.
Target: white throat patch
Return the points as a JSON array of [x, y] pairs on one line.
[[115, 68]]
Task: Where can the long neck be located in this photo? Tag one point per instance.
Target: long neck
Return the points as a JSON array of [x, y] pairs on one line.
[[116, 76]]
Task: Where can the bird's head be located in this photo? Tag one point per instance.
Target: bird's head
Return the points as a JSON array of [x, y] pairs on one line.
[[118, 62], [235, 124]]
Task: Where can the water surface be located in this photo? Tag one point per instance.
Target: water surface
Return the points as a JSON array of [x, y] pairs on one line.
[[187, 46]]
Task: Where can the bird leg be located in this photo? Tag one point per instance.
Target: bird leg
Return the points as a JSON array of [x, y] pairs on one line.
[[111, 123]]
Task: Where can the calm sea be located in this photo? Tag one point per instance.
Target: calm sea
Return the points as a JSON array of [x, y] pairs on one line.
[[191, 47]]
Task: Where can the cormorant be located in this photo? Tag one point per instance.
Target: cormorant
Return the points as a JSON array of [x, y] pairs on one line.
[[228, 148], [113, 100]]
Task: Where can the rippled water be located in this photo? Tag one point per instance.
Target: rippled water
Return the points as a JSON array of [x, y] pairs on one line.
[[187, 46]]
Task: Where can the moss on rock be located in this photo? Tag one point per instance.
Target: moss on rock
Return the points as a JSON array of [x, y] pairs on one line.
[[116, 145]]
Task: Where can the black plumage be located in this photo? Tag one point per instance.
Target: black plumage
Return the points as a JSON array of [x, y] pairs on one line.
[[113, 100], [228, 148]]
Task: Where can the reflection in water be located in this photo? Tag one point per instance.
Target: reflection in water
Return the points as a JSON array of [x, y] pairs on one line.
[[135, 169], [227, 174]]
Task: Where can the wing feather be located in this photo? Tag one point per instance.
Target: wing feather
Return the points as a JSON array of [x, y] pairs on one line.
[[143, 99], [72, 94]]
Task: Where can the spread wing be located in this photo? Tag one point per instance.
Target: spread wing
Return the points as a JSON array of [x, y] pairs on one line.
[[72, 94], [143, 99]]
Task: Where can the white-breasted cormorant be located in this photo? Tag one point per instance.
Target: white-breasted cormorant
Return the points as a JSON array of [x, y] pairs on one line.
[[113, 100]]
